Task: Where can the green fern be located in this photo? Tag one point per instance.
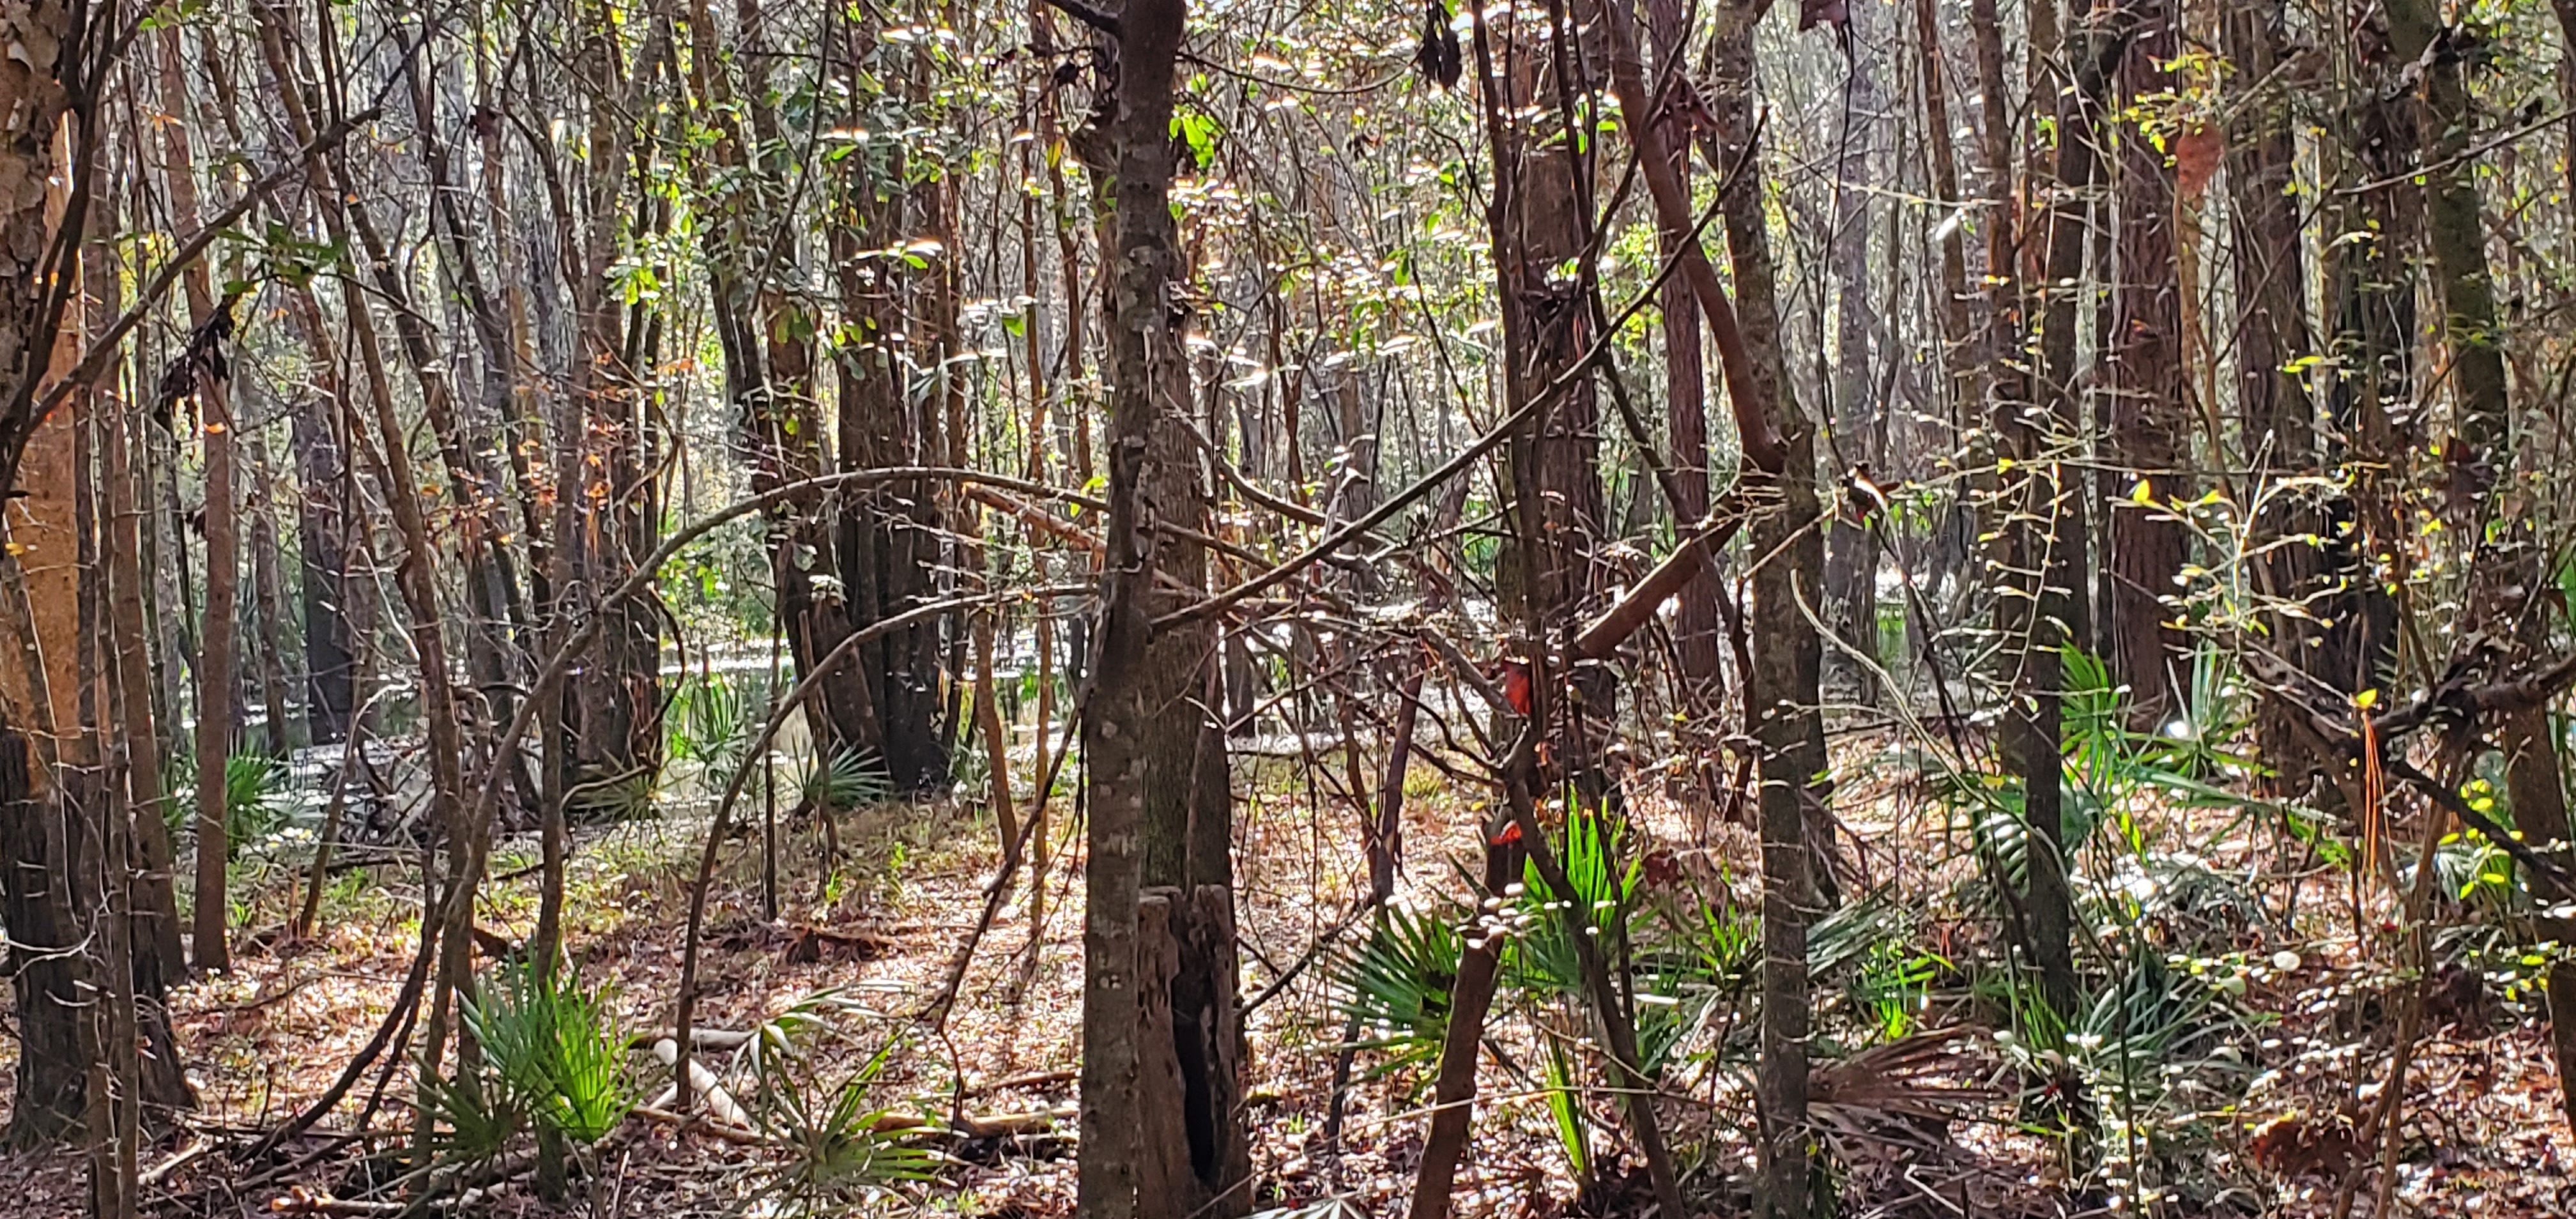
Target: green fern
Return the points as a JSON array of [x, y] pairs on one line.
[[255, 803], [553, 1050], [839, 1150], [1396, 985], [848, 779], [472, 1119]]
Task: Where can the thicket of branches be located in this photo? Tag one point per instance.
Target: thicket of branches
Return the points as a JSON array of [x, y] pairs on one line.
[[2138, 422]]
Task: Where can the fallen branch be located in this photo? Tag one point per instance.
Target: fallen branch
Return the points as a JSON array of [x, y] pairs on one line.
[[303, 1202], [700, 1082], [998, 1126], [186, 1156], [1021, 1083], [704, 1039]]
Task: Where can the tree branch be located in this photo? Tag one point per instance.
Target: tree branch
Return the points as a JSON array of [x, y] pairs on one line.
[[103, 346], [1106, 23]]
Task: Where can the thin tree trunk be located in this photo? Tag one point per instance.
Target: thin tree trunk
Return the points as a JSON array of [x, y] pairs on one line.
[[1696, 637], [1851, 553], [1966, 381], [2047, 539], [2276, 413], [211, 950], [151, 895], [1041, 793], [1471, 996], [1782, 691], [2146, 433], [997, 744], [268, 599], [325, 521], [98, 853]]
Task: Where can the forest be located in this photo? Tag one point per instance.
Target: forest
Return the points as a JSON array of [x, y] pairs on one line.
[[1194, 609]]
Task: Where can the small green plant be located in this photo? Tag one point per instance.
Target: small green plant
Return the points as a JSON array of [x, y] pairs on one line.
[[255, 801], [1892, 986], [839, 1150], [1565, 1109], [849, 778], [1687, 971], [558, 1049], [552, 1061], [625, 797], [711, 723], [1545, 959], [473, 1119], [971, 771], [1396, 985]]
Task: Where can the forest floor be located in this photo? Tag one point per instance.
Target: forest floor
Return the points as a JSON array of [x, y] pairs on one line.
[[2481, 1134]]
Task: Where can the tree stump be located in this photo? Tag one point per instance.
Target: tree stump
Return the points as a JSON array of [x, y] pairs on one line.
[[1193, 1158]]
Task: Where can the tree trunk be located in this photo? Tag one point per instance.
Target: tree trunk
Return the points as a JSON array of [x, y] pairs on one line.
[[2276, 415], [2481, 455], [1194, 1157], [1964, 392], [210, 947], [48, 149], [52, 976], [51, 1102], [2372, 288], [268, 600], [1696, 639], [151, 894], [997, 744], [2146, 417], [1783, 690], [1471, 998], [1147, 369], [2047, 539], [324, 519], [1851, 553]]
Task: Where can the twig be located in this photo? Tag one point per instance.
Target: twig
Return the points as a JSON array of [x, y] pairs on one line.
[[2449, 800], [1547, 396], [1303, 960], [2475, 150], [105, 348], [1021, 1083]]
